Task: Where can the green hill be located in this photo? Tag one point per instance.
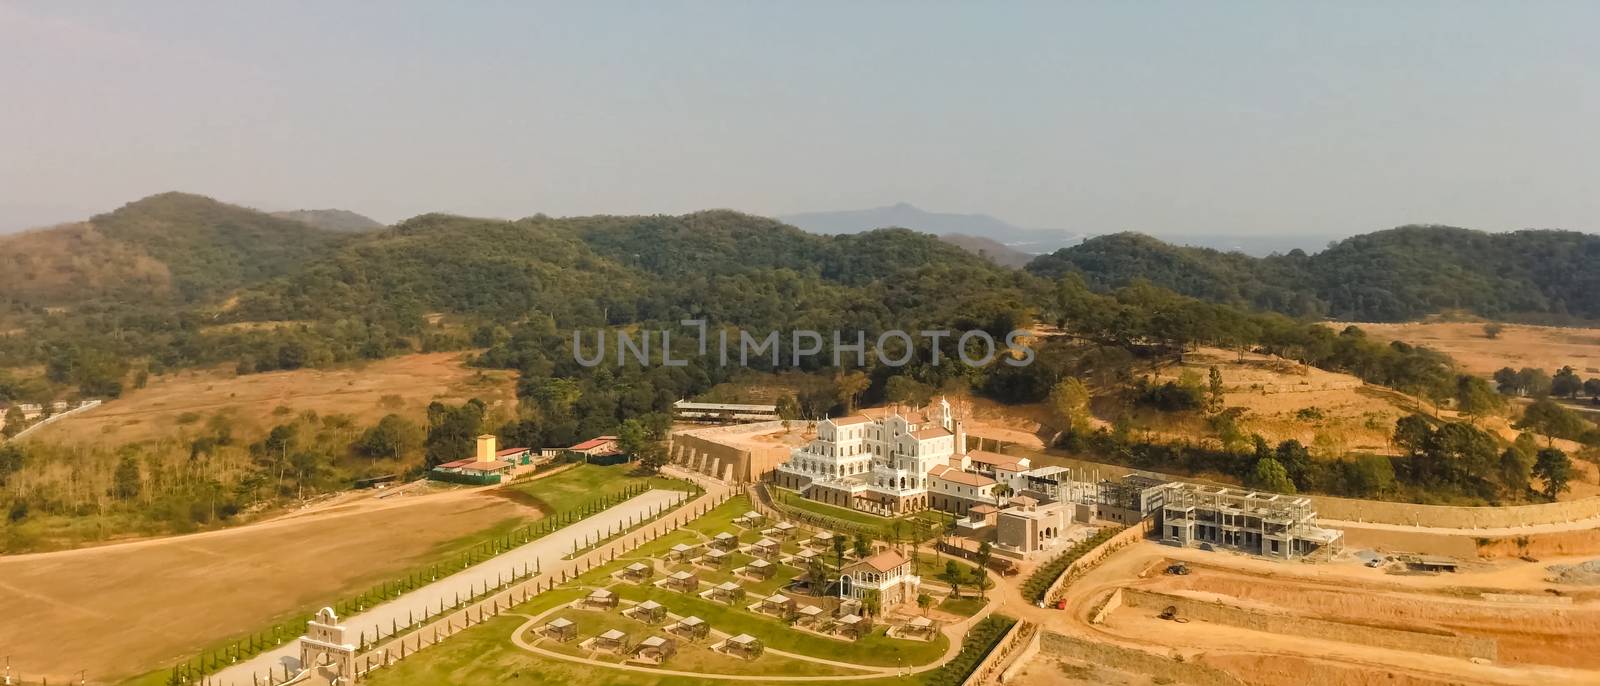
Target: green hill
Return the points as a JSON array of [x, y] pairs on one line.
[[332, 220], [1395, 275]]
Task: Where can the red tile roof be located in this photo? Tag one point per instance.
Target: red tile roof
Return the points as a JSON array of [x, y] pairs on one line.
[[1009, 462], [933, 432], [510, 451], [885, 561], [954, 475], [593, 443]]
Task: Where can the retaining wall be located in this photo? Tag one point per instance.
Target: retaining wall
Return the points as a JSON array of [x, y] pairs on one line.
[[1294, 625], [1123, 539]]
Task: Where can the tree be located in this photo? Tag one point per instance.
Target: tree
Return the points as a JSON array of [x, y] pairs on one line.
[[788, 407], [1592, 389], [1296, 462], [872, 602], [1566, 383], [126, 482], [1533, 382], [1371, 475], [1214, 391], [985, 552], [848, 387], [1069, 404], [453, 431], [652, 457], [392, 437], [1547, 417], [816, 576], [1555, 469], [1412, 433], [1492, 330], [838, 550], [1474, 397], [924, 601], [906, 390], [1269, 475], [1516, 465], [631, 438], [863, 546], [952, 575]]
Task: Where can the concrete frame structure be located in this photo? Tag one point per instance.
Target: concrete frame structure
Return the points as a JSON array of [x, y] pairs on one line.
[[1267, 524]]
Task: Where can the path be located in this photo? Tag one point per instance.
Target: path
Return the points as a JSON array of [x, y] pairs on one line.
[[545, 553]]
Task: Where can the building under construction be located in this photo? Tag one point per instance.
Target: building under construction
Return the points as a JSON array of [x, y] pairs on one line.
[[1267, 524]]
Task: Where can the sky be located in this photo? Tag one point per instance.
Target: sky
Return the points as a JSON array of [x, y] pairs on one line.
[[1250, 118]]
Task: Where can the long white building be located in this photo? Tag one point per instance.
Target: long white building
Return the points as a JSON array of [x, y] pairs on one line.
[[894, 461]]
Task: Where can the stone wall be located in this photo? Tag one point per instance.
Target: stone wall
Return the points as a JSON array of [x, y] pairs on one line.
[[701, 451], [1450, 645], [1164, 669]]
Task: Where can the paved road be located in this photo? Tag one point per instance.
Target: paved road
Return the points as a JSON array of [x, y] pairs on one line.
[[544, 553]]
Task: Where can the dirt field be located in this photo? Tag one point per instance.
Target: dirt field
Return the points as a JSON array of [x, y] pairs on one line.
[[403, 385], [1539, 639], [126, 609], [1542, 347]]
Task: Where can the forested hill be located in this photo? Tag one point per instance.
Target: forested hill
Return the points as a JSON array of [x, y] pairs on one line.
[[1395, 275], [168, 247]]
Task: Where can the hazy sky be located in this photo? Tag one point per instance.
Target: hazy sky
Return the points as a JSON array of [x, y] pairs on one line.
[[1263, 118]]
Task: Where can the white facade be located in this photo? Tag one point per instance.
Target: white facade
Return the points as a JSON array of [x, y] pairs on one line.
[[876, 463]]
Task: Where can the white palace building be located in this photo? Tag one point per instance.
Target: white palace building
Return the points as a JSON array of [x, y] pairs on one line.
[[892, 462]]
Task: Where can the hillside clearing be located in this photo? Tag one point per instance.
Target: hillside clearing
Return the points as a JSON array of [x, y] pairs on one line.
[[400, 385], [1518, 345]]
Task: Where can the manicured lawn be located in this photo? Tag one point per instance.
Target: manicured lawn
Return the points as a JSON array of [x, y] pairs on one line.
[[578, 486], [931, 567], [485, 655], [966, 606], [874, 649]]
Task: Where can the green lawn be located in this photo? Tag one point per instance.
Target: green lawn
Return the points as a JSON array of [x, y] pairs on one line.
[[578, 486], [484, 654], [966, 606], [875, 649]]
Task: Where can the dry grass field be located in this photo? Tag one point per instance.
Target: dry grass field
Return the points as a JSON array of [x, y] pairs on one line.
[[124, 609], [1281, 400], [1543, 347], [402, 385]]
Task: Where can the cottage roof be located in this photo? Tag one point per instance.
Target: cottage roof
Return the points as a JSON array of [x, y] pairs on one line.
[[883, 562]]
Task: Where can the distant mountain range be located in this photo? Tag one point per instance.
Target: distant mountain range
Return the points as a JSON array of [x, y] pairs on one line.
[[1026, 241]]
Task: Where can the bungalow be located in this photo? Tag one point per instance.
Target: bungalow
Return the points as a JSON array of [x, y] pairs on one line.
[[760, 569], [637, 572], [724, 541], [655, 650], [648, 612], [808, 615], [601, 597], [768, 548], [691, 627], [602, 449], [852, 625], [777, 604], [685, 582], [680, 551], [613, 640], [744, 645], [727, 592], [714, 558], [560, 629]]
